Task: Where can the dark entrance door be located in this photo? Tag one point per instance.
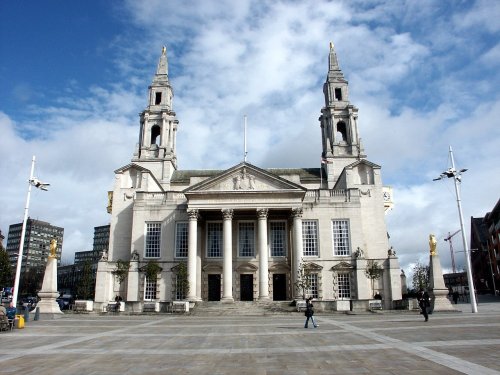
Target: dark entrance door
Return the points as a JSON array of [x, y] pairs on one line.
[[279, 287], [214, 287], [246, 287]]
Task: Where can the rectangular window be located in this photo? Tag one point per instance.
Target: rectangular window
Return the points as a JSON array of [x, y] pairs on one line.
[[180, 292], [150, 289], [338, 94], [246, 239], [312, 291], [214, 240], [153, 237], [340, 229], [181, 240], [310, 238], [344, 284], [277, 238], [158, 98]]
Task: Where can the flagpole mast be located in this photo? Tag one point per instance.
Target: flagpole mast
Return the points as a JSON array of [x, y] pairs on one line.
[[23, 233], [245, 140]]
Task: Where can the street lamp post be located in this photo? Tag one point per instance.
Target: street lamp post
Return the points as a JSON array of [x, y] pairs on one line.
[[33, 181], [457, 177]]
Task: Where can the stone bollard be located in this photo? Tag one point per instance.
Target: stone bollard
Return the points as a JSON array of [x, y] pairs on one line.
[[37, 313], [26, 313]]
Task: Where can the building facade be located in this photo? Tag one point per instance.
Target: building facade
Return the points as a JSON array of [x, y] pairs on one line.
[[248, 233], [492, 224], [36, 247]]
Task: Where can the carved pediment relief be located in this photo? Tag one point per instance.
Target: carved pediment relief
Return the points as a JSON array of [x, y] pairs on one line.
[[245, 177], [342, 266]]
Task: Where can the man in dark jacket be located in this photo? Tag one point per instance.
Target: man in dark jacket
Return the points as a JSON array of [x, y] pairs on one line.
[[309, 313], [424, 303]]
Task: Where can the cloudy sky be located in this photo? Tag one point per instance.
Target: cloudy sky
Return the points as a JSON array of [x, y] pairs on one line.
[[424, 75]]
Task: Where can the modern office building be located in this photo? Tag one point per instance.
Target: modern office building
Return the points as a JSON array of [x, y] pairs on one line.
[[101, 238], [247, 233], [36, 247], [485, 251]]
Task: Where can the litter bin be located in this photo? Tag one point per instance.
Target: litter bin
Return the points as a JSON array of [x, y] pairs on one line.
[[19, 321]]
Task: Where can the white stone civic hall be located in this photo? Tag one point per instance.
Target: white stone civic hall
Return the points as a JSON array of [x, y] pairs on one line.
[[248, 233]]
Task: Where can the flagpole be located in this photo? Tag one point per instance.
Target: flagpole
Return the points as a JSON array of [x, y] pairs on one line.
[[245, 140], [23, 233]]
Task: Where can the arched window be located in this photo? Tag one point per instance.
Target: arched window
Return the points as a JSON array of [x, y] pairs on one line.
[[341, 132], [155, 135]]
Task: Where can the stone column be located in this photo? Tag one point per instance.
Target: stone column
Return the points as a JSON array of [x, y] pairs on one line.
[[227, 272], [192, 250], [164, 130], [170, 145], [49, 293], [297, 248], [174, 137], [263, 255], [438, 291]]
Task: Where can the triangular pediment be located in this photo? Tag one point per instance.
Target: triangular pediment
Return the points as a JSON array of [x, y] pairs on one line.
[[361, 172], [134, 173], [246, 178], [310, 266], [342, 266]]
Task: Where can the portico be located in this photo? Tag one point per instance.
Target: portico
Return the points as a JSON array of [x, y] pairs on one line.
[[256, 232]]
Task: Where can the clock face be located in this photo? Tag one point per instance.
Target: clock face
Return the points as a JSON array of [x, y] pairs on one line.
[[387, 196]]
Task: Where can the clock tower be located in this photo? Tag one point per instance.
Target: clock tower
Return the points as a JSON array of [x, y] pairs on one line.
[[339, 124], [156, 150]]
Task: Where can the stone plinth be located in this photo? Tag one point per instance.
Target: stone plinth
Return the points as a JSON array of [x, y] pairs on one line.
[[49, 293], [438, 291]]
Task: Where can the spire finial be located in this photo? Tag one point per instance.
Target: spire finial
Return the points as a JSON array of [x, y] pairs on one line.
[[331, 45], [164, 50]]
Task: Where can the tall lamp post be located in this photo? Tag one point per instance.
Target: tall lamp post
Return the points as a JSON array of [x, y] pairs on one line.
[[457, 178], [33, 181]]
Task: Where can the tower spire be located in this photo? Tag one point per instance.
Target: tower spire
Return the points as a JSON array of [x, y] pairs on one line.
[[161, 75], [158, 132], [338, 120], [334, 71]]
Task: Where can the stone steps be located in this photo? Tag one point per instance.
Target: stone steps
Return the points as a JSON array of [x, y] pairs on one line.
[[241, 308]]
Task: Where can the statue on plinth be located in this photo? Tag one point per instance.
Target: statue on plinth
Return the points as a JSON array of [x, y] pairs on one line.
[[432, 244], [48, 294], [438, 291]]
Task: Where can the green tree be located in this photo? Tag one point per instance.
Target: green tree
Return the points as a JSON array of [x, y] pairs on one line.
[[152, 269], [86, 287], [421, 276], [373, 271], [121, 272], [6, 279], [31, 281], [182, 280]]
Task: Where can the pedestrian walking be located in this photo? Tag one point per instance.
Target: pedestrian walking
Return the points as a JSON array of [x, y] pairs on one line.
[[309, 313], [424, 303]]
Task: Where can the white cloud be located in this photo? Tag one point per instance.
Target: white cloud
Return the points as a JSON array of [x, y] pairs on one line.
[[410, 72]]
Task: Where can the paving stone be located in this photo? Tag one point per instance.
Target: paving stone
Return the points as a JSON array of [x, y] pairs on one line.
[[391, 343]]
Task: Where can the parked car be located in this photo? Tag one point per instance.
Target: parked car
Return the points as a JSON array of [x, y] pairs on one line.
[[29, 302], [65, 301]]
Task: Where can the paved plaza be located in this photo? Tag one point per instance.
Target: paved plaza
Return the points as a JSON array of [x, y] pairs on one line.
[[371, 343]]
